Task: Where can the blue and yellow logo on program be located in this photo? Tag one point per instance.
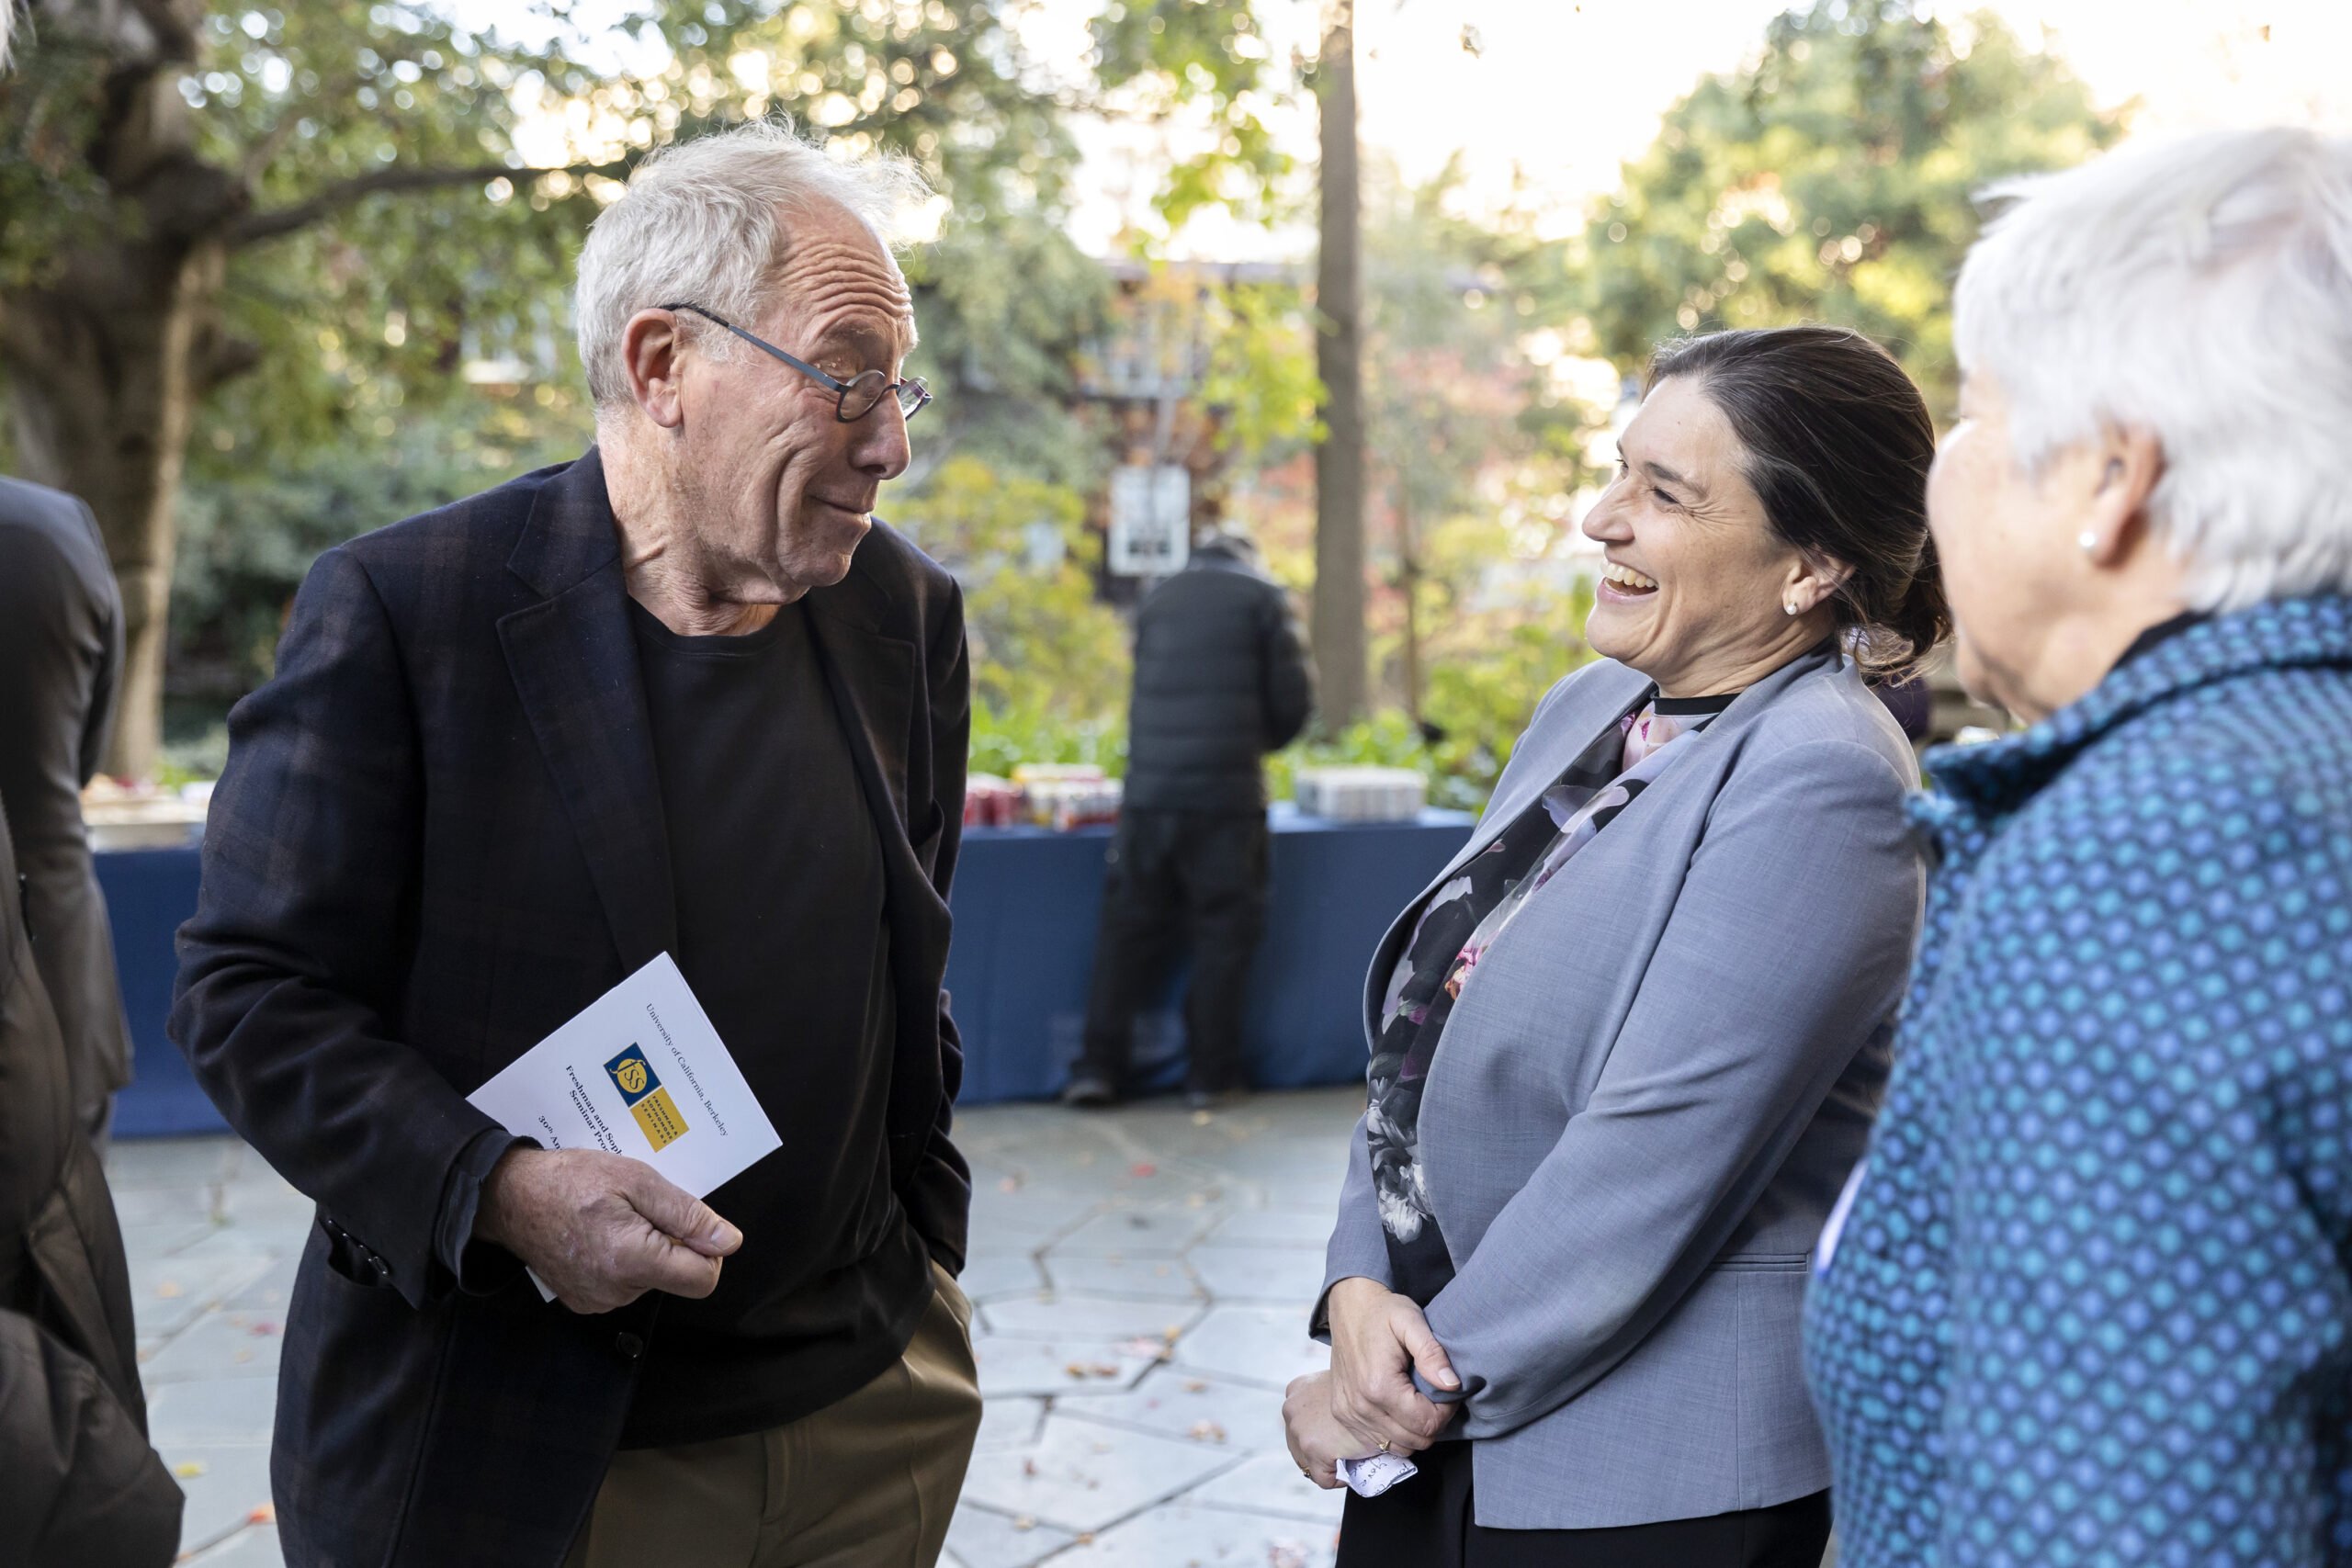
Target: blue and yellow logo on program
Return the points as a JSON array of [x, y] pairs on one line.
[[641, 1092]]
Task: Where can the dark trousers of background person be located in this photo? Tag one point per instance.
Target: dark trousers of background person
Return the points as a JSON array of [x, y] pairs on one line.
[[1428, 1521], [1177, 878]]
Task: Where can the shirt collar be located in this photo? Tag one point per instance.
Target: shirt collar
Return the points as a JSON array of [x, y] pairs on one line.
[[1995, 776]]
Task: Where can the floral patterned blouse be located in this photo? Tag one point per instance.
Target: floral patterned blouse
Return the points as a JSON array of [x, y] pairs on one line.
[[1461, 922]]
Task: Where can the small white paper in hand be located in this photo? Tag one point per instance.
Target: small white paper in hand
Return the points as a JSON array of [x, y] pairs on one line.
[[1375, 1473], [639, 1071]]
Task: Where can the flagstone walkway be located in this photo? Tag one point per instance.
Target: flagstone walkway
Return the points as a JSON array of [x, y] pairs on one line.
[[1141, 1277]]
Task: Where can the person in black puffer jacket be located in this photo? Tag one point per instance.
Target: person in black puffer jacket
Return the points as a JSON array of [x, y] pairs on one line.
[[1221, 679]]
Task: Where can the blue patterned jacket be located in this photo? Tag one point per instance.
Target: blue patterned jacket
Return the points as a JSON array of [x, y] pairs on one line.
[[2090, 1305]]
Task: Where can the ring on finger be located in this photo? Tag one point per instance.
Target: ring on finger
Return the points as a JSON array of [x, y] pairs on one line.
[[1384, 1445]]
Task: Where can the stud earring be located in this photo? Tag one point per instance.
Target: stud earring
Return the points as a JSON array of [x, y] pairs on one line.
[[1791, 609], [2087, 539]]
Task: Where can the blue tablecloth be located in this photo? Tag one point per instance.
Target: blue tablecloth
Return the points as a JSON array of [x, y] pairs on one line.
[[1026, 902]]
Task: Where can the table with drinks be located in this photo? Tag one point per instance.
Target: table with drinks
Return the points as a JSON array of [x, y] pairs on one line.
[[1027, 893]]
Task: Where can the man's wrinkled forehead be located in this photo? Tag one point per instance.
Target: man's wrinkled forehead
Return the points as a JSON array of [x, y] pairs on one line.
[[838, 279]]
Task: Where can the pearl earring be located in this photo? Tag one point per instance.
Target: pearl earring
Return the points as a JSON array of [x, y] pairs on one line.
[[1791, 609], [2088, 541]]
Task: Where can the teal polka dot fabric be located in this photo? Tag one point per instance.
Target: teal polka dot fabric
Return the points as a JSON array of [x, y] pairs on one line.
[[2090, 1305]]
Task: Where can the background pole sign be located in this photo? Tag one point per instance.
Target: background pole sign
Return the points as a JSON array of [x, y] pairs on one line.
[[1151, 520]]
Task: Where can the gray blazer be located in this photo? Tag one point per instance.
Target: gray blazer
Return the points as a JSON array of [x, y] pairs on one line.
[[1647, 1099]]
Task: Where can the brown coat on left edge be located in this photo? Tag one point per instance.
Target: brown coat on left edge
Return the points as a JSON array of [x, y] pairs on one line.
[[79, 1486]]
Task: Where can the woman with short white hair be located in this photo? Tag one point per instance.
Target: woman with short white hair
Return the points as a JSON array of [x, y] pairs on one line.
[[2086, 1300]]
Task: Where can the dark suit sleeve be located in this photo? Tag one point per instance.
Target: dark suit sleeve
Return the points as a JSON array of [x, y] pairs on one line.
[[939, 1196], [290, 970], [1289, 679], [105, 681]]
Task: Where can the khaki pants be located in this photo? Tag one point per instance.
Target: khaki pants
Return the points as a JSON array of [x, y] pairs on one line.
[[869, 1483]]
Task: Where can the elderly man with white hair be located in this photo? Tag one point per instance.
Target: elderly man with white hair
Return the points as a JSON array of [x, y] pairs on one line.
[[682, 695], [2089, 1298]]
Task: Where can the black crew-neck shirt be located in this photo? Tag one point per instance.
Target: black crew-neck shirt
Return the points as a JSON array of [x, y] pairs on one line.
[[777, 868]]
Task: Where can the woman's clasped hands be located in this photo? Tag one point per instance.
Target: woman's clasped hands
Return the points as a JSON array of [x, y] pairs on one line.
[[1367, 1403]]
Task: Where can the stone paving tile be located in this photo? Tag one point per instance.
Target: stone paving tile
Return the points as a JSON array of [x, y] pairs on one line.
[[221, 1343], [1084, 1477], [1009, 1423], [254, 1548], [224, 1484], [1161, 1230], [1181, 1535], [1270, 1484], [987, 1276], [174, 1165], [1093, 1237], [169, 1292], [1141, 1278], [212, 1412], [139, 1206], [1185, 1404], [1301, 1228], [1258, 1273], [1059, 1315], [1072, 1366], [1264, 1345], [982, 1538]]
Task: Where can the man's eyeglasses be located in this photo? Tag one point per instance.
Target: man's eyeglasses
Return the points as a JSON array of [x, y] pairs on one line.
[[854, 399]]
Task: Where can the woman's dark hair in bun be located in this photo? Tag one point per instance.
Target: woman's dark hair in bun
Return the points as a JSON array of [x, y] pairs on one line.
[[1838, 444]]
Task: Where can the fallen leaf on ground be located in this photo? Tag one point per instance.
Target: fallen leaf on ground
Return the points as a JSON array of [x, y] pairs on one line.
[[1207, 1432], [1143, 1169], [188, 1469], [168, 1288]]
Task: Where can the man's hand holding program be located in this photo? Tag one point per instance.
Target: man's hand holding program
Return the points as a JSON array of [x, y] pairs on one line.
[[601, 1229]]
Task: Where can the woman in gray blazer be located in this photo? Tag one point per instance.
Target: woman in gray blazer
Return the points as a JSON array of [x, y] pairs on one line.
[[1628, 1045]]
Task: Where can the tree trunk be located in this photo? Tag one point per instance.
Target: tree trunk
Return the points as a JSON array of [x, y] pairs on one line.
[[107, 354], [1408, 579], [1339, 608], [102, 373]]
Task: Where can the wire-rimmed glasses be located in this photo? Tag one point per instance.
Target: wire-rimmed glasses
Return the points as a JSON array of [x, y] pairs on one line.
[[854, 399]]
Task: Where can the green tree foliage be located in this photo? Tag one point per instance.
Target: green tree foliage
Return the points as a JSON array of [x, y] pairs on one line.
[[285, 229], [1261, 370], [1208, 58], [1829, 180], [1474, 458], [1049, 660]]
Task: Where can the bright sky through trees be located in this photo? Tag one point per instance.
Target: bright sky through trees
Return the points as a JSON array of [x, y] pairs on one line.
[[1563, 91]]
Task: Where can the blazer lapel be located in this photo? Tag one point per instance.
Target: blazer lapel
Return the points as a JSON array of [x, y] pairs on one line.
[[873, 679], [1597, 701], [574, 664], [1599, 698], [876, 681]]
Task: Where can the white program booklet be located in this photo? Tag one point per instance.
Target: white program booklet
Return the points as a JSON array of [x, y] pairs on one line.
[[640, 1072]]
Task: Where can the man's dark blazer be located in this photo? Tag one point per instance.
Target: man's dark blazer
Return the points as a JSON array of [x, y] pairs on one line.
[[438, 836]]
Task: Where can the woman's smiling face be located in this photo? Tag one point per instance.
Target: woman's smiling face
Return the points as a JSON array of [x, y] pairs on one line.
[[1696, 590]]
